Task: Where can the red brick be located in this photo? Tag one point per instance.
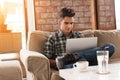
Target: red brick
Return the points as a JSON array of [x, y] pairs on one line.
[[79, 14], [102, 24], [37, 3], [45, 3], [102, 19], [55, 2], [55, 15], [38, 27], [47, 27], [55, 27], [81, 8], [77, 26], [76, 20], [102, 8], [46, 15], [87, 25], [112, 19], [38, 15], [107, 7], [67, 3], [108, 2], [109, 24], [51, 9], [86, 2], [87, 14], [108, 19], [101, 2], [41, 21], [84, 20], [75, 8], [86, 8], [102, 13], [40, 9], [108, 13], [77, 2], [51, 21]]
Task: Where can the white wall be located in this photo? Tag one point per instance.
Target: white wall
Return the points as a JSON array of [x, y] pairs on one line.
[[30, 13], [117, 13], [30, 16]]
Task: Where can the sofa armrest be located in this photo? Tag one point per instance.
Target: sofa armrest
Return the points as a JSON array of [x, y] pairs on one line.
[[36, 63]]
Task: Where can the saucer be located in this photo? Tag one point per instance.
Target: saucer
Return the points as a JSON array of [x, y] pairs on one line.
[[97, 72], [84, 70]]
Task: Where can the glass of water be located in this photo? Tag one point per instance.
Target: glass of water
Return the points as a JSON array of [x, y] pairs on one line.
[[103, 58]]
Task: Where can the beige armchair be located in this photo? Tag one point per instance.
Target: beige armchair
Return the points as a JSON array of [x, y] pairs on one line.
[[36, 64]]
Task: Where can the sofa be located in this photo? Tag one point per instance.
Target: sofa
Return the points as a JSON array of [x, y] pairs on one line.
[[37, 65]]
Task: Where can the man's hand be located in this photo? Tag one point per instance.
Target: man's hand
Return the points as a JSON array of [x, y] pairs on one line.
[[53, 64]]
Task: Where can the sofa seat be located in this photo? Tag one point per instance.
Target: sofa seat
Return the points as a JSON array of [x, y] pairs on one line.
[[116, 60]]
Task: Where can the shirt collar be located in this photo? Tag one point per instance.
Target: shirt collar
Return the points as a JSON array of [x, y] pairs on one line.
[[60, 33]]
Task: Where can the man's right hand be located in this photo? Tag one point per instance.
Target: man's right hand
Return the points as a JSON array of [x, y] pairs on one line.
[[53, 64]]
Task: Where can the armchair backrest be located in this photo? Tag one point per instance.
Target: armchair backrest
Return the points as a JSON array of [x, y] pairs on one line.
[[37, 40]]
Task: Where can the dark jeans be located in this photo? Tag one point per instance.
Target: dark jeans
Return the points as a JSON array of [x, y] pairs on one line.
[[90, 55]]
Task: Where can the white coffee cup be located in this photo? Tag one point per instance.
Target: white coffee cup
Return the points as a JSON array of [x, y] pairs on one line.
[[81, 66]]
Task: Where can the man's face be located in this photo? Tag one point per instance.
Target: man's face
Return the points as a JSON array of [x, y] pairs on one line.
[[66, 24]]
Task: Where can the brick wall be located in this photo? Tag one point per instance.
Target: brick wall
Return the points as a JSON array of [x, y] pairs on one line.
[[46, 14], [106, 16]]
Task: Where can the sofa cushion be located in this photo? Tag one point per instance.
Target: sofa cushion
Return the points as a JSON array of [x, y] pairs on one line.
[[37, 40], [109, 36], [115, 60], [88, 33]]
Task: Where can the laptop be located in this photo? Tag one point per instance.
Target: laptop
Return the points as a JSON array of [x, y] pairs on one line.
[[77, 44]]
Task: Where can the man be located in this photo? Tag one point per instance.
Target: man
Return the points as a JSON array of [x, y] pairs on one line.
[[56, 44]]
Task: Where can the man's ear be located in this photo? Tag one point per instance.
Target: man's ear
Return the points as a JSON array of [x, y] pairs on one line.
[[59, 21]]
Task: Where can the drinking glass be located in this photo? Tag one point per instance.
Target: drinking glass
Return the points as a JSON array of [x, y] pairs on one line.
[[103, 58]]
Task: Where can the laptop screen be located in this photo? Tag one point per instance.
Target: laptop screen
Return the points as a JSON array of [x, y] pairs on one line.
[[77, 44]]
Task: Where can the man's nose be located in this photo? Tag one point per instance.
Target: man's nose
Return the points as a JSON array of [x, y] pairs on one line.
[[69, 25]]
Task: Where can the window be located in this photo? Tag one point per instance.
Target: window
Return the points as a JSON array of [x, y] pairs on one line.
[[117, 13], [12, 12]]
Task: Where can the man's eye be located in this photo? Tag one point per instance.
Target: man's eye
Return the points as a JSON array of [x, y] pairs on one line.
[[68, 22], [71, 23]]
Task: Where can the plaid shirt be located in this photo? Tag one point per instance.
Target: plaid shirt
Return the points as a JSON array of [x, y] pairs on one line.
[[56, 44]]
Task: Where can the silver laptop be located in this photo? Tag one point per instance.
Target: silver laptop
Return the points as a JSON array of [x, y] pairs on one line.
[[77, 44]]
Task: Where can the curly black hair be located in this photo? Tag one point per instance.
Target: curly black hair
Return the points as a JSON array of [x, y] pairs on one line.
[[67, 12]]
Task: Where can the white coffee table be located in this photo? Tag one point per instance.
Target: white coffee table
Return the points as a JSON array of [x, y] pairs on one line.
[[71, 74]]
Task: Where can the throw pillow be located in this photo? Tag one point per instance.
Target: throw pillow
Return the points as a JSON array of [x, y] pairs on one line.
[[109, 36]]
